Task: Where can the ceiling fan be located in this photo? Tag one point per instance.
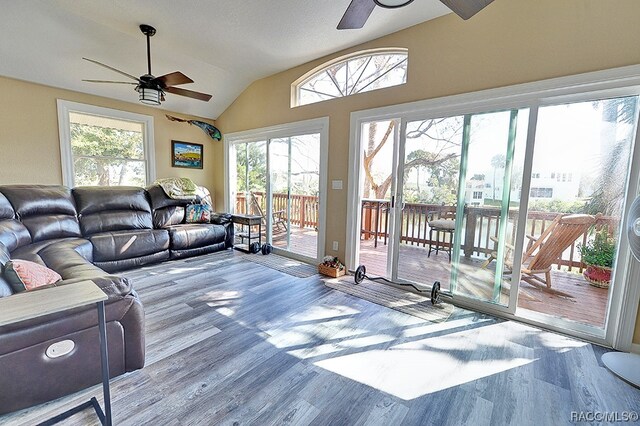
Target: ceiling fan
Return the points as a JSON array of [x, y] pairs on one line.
[[150, 88], [359, 10]]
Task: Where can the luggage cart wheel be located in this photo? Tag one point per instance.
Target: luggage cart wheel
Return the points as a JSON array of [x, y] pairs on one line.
[[435, 293], [360, 274]]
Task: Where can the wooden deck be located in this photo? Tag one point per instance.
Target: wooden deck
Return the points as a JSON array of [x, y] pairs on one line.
[[303, 241]]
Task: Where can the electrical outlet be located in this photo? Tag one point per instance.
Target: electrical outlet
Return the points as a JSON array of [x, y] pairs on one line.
[[335, 246]]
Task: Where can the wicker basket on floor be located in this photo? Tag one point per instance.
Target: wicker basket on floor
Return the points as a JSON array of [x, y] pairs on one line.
[[331, 272]]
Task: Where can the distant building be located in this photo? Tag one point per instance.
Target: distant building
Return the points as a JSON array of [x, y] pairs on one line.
[[545, 185]]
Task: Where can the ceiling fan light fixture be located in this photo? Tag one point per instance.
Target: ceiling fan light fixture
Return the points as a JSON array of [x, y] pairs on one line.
[[392, 4], [150, 96]]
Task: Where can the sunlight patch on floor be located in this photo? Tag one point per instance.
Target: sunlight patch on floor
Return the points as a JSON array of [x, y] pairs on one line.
[[227, 312], [323, 350], [314, 334], [315, 313], [421, 366], [183, 270], [429, 327], [410, 374]]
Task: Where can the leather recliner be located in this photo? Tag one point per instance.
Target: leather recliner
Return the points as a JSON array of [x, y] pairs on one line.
[[188, 239], [86, 234], [118, 223]]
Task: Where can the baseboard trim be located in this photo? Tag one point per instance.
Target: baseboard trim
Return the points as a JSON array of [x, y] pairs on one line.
[[635, 348]]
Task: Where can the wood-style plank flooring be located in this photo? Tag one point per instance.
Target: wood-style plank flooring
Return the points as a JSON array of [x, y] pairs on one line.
[[233, 342]]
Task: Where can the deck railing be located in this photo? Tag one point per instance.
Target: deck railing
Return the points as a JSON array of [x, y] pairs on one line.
[[481, 223], [304, 208]]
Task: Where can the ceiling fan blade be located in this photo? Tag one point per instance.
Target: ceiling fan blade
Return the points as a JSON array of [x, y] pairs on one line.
[[114, 69], [466, 8], [188, 93], [356, 15], [110, 81], [173, 79]]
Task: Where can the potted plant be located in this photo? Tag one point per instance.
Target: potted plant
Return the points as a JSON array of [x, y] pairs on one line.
[[598, 255], [332, 267]]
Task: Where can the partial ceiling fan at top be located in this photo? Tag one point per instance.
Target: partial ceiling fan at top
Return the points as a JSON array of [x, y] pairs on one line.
[[359, 10], [150, 88]]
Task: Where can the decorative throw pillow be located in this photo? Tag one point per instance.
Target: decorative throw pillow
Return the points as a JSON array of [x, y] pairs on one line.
[[24, 275], [198, 213]]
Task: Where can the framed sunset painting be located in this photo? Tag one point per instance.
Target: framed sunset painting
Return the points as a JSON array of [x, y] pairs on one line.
[[186, 154]]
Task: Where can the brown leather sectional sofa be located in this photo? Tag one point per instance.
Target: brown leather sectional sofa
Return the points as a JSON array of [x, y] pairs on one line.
[[88, 233]]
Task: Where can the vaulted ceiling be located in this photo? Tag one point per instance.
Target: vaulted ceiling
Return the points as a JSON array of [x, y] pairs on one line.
[[223, 45]]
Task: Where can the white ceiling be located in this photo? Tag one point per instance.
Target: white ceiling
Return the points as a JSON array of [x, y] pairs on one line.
[[223, 45]]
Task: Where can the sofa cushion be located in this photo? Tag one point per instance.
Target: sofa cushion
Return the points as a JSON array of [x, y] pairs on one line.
[[13, 234], [4, 256], [104, 209], [167, 216], [159, 199], [166, 211], [47, 211], [32, 251], [6, 209], [199, 251], [135, 262], [195, 235], [118, 245], [26, 276], [5, 287]]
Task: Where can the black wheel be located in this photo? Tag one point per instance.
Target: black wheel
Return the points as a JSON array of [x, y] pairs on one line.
[[267, 248], [360, 274], [254, 248], [435, 293]]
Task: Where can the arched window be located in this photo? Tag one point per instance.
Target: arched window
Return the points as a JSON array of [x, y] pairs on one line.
[[348, 75]]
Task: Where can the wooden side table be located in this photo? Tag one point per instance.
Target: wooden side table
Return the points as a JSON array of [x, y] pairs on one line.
[[248, 221], [38, 303]]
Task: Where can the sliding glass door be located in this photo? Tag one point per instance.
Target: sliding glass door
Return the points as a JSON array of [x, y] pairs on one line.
[[295, 188], [578, 184], [430, 174], [455, 223], [516, 210], [277, 175]]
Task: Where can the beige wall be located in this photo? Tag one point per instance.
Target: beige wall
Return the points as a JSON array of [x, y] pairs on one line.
[[511, 42], [29, 134]]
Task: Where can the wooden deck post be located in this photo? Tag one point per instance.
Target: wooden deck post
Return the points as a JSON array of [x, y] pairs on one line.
[[470, 232]]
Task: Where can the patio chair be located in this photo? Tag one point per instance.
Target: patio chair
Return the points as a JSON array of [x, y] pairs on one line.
[[543, 251], [442, 222], [277, 217]]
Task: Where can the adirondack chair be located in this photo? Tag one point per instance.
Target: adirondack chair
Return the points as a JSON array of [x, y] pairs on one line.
[[544, 250], [277, 217]]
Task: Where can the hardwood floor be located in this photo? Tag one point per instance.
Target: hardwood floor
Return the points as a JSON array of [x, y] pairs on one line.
[[233, 342]]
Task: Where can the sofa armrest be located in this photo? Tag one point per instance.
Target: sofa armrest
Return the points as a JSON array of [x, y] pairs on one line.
[[221, 218], [225, 219]]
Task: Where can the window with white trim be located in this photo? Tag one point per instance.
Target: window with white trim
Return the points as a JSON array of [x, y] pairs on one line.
[[348, 75], [105, 147]]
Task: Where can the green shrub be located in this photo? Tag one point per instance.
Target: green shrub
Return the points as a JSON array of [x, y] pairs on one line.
[[558, 206], [600, 251]]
